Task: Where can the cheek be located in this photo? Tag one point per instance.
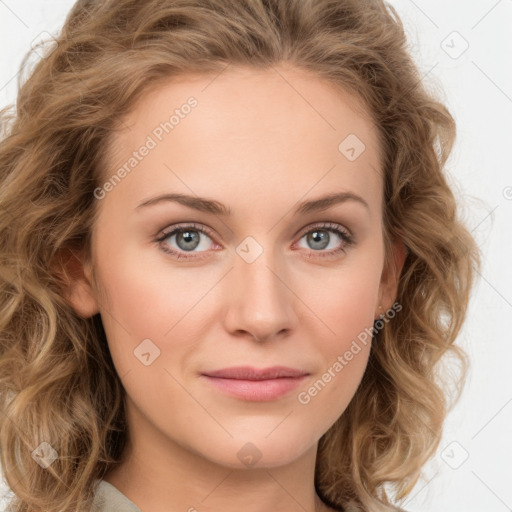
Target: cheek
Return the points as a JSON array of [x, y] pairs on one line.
[[344, 354], [347, 305], [147, 291], [350, 316], [149, 302], [346, 301]]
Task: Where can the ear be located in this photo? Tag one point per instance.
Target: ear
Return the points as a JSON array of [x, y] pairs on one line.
[[391, 276], [74, 275]]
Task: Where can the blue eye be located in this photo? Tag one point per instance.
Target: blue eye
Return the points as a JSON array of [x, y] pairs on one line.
[[320, 238], [186, 238]]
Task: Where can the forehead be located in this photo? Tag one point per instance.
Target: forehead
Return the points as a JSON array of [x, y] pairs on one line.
[[278, 129]]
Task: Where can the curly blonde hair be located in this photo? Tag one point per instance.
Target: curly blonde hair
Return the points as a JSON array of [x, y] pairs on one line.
[[58, 383]]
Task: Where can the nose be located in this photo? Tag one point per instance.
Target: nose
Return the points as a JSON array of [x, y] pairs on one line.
[[261, 305]]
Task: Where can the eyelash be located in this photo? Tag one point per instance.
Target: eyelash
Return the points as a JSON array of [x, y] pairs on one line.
[[344, 234]]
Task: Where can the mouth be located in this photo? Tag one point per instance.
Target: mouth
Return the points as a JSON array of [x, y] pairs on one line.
[[257, 385]]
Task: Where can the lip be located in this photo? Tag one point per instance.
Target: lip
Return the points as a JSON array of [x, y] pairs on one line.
[[252, 384], [251, 373]]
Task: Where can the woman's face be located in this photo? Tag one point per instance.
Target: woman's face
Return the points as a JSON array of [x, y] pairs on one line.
[[262, 273]]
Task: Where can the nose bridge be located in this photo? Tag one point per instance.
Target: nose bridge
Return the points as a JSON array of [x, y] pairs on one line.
[[261, 303]]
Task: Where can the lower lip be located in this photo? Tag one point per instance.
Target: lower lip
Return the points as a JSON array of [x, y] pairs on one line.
[[256, 390]]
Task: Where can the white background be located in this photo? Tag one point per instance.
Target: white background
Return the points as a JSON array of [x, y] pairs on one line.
[[476, 85]]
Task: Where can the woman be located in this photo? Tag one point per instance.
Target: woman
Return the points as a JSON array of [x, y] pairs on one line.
[[231, 261]]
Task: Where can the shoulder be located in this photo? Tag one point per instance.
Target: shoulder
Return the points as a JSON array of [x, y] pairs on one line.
[[108, 498]]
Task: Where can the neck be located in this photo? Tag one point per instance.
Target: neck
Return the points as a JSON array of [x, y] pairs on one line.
[[160, 475]]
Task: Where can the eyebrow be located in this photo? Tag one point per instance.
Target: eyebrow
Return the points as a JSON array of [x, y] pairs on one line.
[[203, 204]]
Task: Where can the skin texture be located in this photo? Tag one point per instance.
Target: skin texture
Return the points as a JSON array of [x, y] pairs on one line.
[[259, 142]]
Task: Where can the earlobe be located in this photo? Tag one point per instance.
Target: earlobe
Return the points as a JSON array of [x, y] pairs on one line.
[[74, 276]]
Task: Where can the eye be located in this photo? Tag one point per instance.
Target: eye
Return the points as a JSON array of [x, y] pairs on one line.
[[182, 240], [320, 238], [186, 239]]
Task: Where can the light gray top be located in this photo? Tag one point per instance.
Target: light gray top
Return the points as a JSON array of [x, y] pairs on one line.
[[110, 499]]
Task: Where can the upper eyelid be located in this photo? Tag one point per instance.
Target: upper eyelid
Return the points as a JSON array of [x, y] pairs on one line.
[[327, 225], [168, 231]]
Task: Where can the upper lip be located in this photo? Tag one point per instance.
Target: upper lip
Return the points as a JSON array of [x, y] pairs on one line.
[[251, 373]]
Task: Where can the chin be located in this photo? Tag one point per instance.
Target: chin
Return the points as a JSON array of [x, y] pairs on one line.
[[258, 451]]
